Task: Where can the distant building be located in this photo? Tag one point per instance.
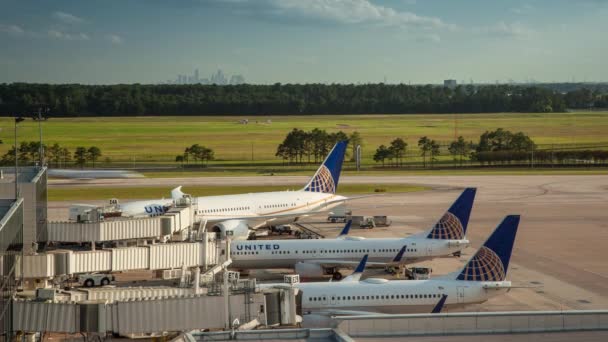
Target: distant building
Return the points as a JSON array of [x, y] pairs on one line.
[[218, 78], [237, 79], [450, 84]]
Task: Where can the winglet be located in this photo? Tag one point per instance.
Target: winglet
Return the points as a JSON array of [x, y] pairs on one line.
[[361, 267], [346, 228], [453, 224], [327, 176], [356, 275], [491, 261], [399, 255], [440, 304]]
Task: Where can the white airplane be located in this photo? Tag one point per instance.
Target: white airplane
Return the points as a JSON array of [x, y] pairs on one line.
[[482, 278], [314, 258], [238, 213]]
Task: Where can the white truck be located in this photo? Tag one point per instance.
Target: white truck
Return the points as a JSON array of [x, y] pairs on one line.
[[95, 279], [339, 214]]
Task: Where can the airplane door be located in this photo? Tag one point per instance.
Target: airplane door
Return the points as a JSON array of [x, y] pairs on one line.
[[333, 299], [460, 294], [429, 249]]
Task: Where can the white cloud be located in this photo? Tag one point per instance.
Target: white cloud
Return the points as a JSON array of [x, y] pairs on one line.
[[340, 11], [67, 17], [11, 29], [115, 39], [515, 30], [56, 34]]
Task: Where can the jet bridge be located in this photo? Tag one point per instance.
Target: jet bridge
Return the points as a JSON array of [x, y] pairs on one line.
[[174, 224]]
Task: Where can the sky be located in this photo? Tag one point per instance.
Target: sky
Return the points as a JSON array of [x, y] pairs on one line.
[[304, 41]]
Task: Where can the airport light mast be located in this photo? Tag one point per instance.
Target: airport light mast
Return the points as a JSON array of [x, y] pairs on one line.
[[18, 119], [41, 115]]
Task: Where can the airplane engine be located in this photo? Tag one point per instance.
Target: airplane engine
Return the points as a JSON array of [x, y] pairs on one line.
[[308, 270], [238, 228]]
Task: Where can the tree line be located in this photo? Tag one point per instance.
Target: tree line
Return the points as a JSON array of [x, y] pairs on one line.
[[301, 147], [498, 147], [196, 153], [55, 155], [284, 99]]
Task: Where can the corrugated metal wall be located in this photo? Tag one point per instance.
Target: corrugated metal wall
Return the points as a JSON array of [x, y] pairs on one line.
[[38, 316], [131, 258], [130, 317], [39, 266], [90, 261], [175, 255]]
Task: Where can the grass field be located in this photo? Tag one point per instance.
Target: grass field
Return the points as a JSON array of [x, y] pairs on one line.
[[124, 193], [137, 139]]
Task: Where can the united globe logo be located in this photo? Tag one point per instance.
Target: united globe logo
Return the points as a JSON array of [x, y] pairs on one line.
[[322, 182], [448, 228], [485, 266]]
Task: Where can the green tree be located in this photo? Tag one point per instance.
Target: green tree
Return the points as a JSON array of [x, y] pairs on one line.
[[93, 153], [434, 151], [398, 148], [54, 153], [425, 147], [382, 153], [80, 156], [66, 156], [459, 148], [180, 159]]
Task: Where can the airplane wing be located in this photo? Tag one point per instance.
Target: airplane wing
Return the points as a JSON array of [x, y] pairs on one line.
[[337, 313]]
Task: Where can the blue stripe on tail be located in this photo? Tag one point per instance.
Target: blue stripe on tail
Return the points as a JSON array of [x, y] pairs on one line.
[[327, 176], [453, 224], [361, 267], [346, 228], [491, 261]]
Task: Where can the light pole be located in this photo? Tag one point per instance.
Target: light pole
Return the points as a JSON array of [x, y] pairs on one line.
[[17, 120], [39, 118]]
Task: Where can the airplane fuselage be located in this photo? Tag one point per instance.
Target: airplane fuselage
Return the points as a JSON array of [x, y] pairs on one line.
[[276, 203], [280, 204], [394, 296], [287, 253]]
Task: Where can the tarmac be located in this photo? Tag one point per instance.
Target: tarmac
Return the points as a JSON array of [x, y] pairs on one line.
[[560, 257]]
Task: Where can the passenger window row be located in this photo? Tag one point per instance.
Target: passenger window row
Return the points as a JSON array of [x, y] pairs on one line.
[[222, 210], [314, 251], [283, 205], [372, 297]]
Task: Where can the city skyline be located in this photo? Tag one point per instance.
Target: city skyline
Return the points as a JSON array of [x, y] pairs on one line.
[[218, 77], [315, 41]]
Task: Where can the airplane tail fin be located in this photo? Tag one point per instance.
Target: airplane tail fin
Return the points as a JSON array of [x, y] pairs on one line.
[[177, 193], [356, 275], [327, 176], [491, 261], [346, 228], [399, 255], [453, 224]]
